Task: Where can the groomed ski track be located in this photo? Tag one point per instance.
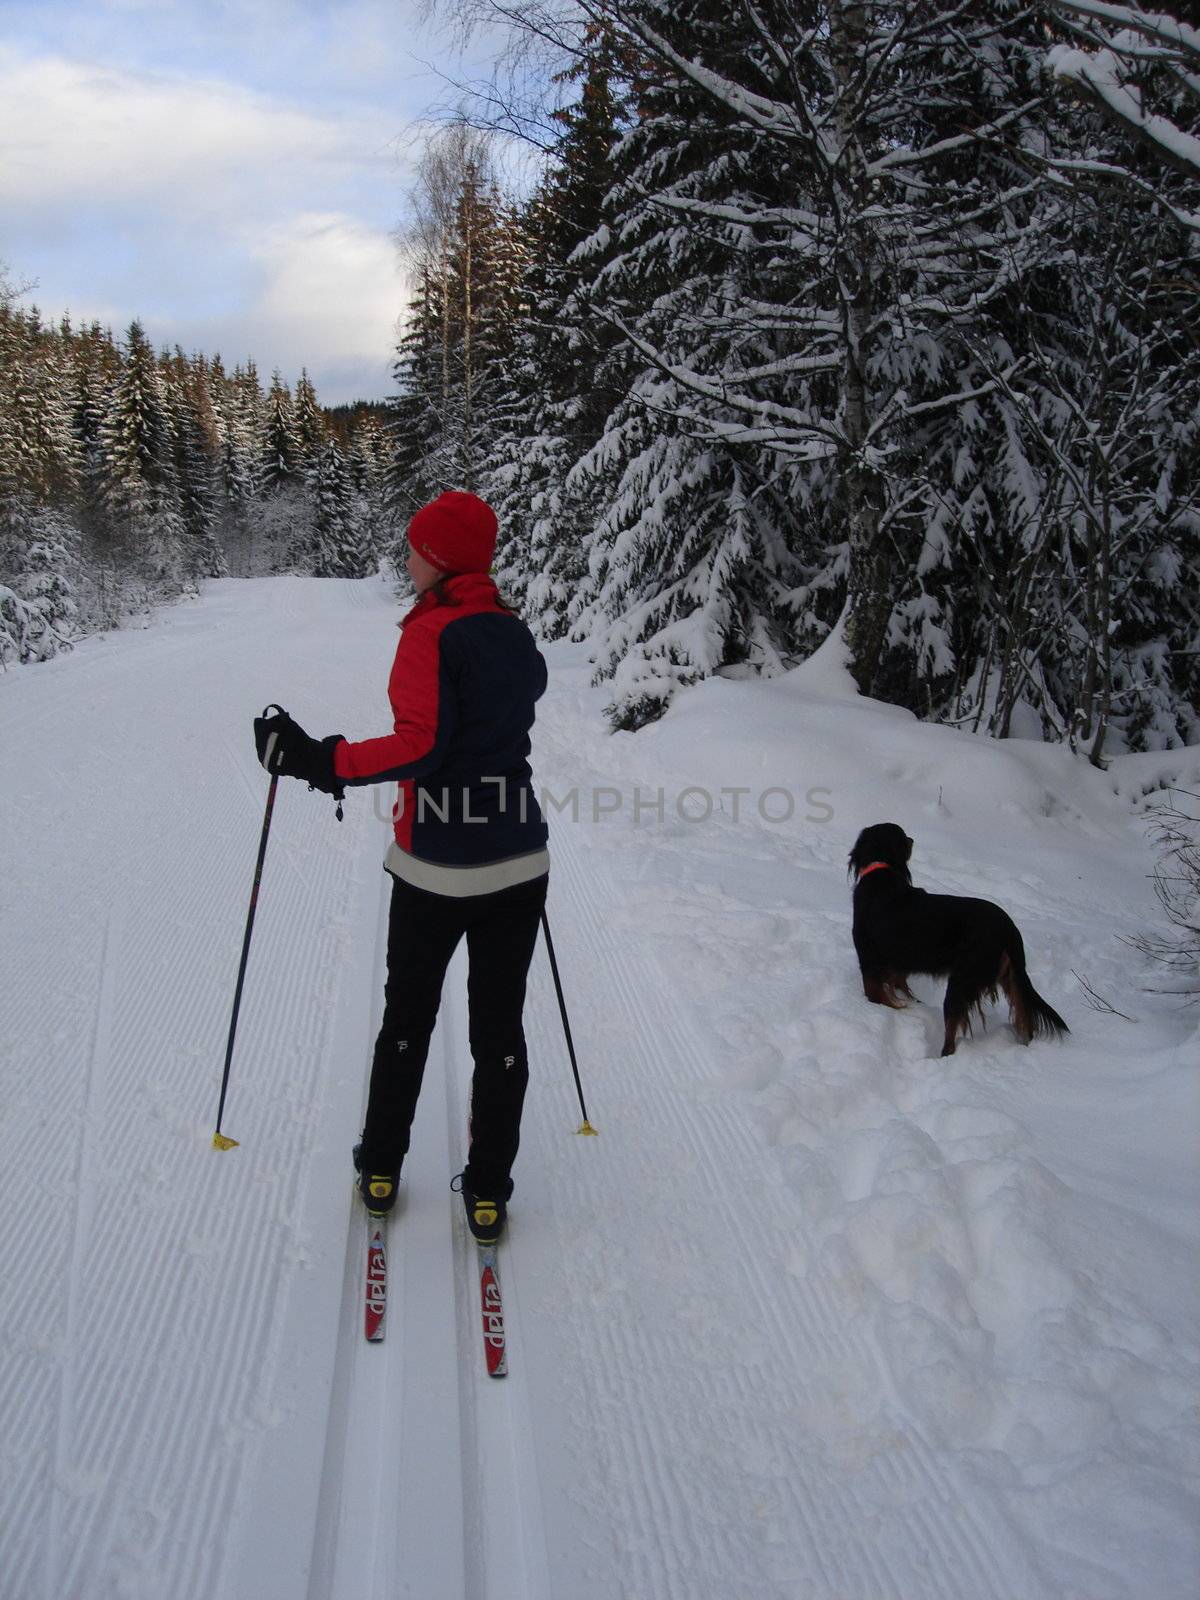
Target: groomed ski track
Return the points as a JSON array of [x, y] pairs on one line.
[[428, 1485], [717, 1387]]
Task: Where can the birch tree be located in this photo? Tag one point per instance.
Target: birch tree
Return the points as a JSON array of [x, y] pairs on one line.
[[466, 262]]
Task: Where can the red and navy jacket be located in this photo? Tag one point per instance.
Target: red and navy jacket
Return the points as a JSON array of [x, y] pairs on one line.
[[463, 686]]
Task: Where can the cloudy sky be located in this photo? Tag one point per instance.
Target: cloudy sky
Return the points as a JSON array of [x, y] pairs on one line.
[[232, 172]]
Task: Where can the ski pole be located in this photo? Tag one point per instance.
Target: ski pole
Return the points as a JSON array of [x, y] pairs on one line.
[[220, 1140], [586, 1126]]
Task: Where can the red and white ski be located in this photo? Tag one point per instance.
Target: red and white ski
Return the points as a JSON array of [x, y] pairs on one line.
[[494, 1348], [375, 1281]]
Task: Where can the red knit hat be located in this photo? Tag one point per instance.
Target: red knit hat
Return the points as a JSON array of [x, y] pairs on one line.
[[455, 533]]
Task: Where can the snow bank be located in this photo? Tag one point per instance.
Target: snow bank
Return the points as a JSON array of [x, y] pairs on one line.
[[1014, 1229]]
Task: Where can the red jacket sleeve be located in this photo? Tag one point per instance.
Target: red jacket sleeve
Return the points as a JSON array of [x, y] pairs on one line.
[[423, 704]]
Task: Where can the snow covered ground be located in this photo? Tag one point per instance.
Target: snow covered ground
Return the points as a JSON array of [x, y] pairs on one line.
[[819, 1316]]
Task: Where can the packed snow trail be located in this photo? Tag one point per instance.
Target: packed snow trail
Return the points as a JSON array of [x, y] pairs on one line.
[[816, 1315]]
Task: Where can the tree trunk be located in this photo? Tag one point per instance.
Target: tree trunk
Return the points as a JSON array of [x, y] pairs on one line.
[[871, 590]]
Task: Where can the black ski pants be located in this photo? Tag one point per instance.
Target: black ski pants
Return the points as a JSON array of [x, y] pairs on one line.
[[423, 932]]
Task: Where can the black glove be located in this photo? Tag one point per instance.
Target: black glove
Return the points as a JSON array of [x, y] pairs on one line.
[[284, 747]]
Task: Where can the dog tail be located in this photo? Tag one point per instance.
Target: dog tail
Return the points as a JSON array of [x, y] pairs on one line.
[[1033, 1017]]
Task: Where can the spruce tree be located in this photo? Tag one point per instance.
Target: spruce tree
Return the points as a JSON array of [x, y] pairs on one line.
[[138, 472], [688, 568], [133, 434], [94, 366], [39, 610], [281, 451], [239, 450], [309, 426], [367, 461], [195, 472], [39, 457], [338, 543]]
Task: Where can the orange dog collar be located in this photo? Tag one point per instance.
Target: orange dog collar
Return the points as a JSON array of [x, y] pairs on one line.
[[874, 867]]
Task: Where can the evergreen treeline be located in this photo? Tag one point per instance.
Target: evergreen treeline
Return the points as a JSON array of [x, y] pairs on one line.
[[127, 475], [838, 313]]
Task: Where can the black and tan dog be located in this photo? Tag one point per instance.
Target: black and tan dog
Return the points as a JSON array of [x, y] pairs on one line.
[[977, 947]]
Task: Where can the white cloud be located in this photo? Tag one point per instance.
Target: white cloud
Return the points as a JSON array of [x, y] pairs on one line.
[[225, 218], [105, 138], [330, 296], [324, 290]]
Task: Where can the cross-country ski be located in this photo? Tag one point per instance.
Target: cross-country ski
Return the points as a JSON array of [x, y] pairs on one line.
[[375, 1280], [495, 1348]]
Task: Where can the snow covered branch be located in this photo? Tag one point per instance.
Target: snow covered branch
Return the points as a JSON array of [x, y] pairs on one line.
[[1155, 25], [1113, 69]]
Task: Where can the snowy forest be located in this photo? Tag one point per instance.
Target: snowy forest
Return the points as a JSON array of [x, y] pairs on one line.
[[127, 476], [879, 316]]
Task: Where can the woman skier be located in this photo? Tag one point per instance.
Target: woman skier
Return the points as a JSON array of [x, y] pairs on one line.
[[469, 856]]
